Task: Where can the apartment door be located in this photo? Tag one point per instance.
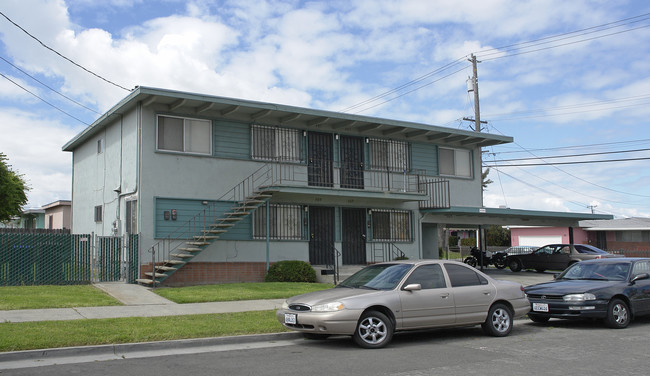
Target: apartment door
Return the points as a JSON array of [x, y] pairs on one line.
[[320, 159], [353, 237], [351, 149], [321, 235]]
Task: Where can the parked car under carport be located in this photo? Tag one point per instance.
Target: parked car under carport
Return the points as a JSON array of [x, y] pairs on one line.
[[555, 257]]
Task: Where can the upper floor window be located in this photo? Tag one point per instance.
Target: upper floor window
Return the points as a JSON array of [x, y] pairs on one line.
[[455, 162], [389, 155], [184, 135], [276, 144]]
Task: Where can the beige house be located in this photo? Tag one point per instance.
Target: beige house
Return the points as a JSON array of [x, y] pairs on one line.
[[57, 215]]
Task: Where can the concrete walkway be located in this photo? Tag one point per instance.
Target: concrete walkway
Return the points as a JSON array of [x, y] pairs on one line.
[[140, 301]]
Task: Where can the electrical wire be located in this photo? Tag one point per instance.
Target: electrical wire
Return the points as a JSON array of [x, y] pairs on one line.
[[571, 163], [62, 56], [572, 155], [43, 100], [44, 84]]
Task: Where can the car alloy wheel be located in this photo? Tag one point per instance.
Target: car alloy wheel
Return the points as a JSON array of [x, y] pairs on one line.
[[515, 265], [498, 322], [618, 314], [374, 330]]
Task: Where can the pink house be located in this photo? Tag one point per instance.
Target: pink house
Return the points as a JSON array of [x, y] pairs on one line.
[[539, 236]]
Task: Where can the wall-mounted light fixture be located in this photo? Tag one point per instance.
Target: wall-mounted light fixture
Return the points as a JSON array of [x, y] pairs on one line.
[[304, 133], [336, 136], [367, 140], [204, 202]]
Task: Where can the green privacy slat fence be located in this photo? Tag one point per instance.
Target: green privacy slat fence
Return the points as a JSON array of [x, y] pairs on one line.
[[65, 259]]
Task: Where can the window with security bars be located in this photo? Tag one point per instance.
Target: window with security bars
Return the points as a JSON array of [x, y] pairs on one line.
[[389, 155], [276, 144], [391, 225], [184, 135], [285, 222], [455, 162]]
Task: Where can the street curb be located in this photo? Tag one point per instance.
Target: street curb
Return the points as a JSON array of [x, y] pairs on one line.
[[124, 348]]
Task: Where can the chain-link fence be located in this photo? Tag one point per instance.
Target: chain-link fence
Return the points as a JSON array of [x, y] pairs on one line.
[[66, 259]]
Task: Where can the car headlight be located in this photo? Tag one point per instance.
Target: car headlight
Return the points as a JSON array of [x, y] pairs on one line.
[[328, 307], [579, 297]]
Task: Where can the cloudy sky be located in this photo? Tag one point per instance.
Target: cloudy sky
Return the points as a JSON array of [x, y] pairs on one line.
[[569, 80]]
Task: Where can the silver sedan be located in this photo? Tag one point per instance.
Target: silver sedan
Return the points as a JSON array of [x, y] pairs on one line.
[[395, 296]]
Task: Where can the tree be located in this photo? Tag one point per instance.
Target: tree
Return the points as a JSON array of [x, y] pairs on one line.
[[12, 191], [484, 178], [497, 236]]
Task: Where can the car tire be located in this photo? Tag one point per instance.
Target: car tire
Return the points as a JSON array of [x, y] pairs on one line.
[[515, 265], [471, 261], [538, 319], [374, 330], [618, 314], [499, 321], [315, 336], [500, 264]]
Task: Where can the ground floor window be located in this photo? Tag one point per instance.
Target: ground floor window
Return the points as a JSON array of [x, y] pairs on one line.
[[391, 225], [285, 222]]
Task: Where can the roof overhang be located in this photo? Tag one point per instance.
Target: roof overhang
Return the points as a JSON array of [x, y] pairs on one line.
[[232, 109], [474, 216]]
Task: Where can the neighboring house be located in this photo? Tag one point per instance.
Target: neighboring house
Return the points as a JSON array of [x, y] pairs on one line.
[[57, 215], [234, 185], [32, 219], [631, 234]]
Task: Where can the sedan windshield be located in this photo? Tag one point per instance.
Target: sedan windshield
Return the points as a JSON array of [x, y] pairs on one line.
[[377, 277], [597, 271]]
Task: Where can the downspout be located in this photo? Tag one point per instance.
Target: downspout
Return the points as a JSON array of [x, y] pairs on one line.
[[268, 239]]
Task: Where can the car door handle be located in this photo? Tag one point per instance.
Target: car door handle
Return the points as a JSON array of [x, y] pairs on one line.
[[487, 293], [444, 296]]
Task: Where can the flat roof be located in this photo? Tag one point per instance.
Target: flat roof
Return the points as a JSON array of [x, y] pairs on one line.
[[201, 105], [505, 216]]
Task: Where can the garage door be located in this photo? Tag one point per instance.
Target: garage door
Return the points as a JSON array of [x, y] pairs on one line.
[[539, 241]]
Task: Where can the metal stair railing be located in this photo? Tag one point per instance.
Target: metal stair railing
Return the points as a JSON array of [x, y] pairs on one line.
[[384, 251], [189, 239]]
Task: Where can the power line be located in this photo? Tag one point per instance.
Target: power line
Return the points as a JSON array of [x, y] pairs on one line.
[[572, 155], [575, 146], [56, 52], [574, 176], [42, 83], [43, 100], [570, 163]]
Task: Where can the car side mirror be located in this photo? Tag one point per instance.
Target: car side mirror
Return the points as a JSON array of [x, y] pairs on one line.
[[639, 277], [413, 287]]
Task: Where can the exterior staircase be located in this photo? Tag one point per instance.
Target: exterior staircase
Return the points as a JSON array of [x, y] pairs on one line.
[[190, 239]]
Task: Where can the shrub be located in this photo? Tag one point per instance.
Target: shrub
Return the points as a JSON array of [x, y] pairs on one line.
[[291, 271], [468, 242]]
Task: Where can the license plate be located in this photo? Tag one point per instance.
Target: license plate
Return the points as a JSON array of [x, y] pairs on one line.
[[540, 307], [290, 318]]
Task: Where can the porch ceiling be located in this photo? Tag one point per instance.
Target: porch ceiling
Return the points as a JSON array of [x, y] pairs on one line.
[[315, 195]]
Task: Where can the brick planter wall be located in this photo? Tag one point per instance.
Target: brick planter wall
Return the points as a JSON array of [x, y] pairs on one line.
[[202, 273]]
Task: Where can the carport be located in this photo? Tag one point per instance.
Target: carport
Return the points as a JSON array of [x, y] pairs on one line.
[[434, 222]]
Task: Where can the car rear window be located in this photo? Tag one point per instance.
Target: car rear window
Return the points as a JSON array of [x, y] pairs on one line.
[[463, 276], [584, 249]]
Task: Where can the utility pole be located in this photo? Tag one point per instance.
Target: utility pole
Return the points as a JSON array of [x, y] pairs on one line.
[[477, 112]]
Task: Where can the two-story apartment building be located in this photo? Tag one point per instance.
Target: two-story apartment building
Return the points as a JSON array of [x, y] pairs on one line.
[[218, 188]]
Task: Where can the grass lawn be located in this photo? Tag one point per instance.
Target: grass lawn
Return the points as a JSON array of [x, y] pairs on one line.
[[238, 291], [37, 297], [51, 334]]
